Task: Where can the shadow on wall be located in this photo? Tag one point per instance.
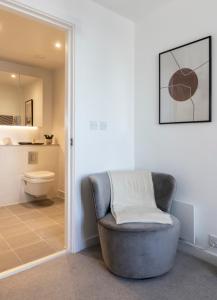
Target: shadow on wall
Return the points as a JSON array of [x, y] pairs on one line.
[[89, 225]]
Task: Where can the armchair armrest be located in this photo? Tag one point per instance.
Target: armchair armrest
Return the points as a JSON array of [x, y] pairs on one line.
[[164, 189]]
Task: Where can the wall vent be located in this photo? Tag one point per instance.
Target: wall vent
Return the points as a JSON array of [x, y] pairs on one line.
[[185, 212]]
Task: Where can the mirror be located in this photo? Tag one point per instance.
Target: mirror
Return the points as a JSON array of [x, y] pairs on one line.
[[21, 100]]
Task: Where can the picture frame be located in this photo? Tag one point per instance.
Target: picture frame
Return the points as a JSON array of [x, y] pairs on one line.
[[29, 112], [185, 83]]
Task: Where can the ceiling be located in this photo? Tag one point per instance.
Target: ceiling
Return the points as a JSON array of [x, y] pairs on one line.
[[134, 10], [31, 42]]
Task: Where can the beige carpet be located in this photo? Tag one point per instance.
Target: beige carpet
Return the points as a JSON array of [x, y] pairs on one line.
[[84, 277]]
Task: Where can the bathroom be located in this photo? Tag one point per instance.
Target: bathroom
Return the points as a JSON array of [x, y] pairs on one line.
[[32, 140]]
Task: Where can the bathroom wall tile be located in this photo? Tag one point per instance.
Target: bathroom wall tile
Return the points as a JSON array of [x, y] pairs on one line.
[[22, 240], [35, 251], [8, 261]]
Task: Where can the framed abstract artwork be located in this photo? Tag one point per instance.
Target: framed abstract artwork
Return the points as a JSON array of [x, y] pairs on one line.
[[185, 83], [29, 112]]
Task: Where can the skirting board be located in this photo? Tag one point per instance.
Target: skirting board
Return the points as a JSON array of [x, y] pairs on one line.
[[89, 242], [28, 200], [92, 241], [198, 252], [20, 202], [185, 247]]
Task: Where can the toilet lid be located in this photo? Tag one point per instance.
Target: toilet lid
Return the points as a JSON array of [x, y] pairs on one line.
[[39, 174]]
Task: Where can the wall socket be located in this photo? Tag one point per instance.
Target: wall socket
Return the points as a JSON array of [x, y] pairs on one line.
[[212, 241]]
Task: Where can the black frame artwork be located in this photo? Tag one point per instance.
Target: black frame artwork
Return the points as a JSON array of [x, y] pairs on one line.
[[29, 112], [179, 94]]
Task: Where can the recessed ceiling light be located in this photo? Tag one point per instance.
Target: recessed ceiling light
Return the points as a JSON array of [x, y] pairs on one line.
[[13, 76], [58, 45]]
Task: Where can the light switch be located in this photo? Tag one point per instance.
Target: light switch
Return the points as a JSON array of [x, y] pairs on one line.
[[103, 125], [93, 125]]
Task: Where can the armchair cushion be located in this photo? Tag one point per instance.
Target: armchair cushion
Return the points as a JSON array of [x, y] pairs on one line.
[[109, 222]]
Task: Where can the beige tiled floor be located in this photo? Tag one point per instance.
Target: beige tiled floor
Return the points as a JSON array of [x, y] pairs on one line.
[[30, 231]]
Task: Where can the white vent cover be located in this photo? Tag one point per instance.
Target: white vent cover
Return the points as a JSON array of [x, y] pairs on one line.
[[186, 215]]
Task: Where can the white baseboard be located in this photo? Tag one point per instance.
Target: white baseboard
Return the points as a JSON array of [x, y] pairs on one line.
[[92, 241], [31, 198], [198, 252], [185, 247], [89, 242], [19, 202], [12, 203]]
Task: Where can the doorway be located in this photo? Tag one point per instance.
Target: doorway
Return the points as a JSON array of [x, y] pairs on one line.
[[35, 216]]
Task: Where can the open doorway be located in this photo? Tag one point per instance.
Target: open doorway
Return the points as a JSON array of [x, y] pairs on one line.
[[34, 135]]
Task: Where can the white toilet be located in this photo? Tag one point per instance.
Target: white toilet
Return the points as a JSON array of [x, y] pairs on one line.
[[38, 183]]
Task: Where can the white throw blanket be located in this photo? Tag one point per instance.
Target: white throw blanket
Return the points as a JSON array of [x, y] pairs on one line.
[[132, 198]]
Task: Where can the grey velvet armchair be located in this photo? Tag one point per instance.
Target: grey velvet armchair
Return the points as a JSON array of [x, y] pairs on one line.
[[136, 250]]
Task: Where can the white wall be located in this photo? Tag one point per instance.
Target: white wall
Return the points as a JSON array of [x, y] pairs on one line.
[[14, 163], [59, 122], [104, 57], [186, 151]]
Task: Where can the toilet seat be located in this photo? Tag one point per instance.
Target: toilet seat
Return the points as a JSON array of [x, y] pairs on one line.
[[39, 176]]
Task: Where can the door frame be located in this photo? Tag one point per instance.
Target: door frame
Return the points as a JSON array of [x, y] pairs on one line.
[[70, 224]]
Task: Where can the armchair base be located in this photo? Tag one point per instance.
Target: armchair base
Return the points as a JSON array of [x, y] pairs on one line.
[[138, 250]]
